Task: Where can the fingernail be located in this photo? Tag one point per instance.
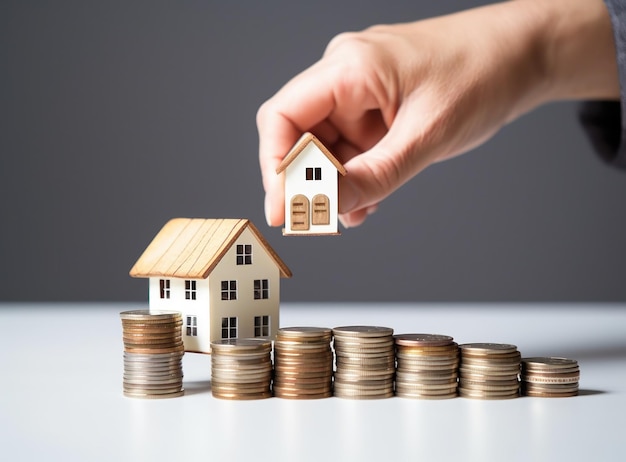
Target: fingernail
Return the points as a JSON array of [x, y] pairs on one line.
[[343, 223], [268, 211], [372, 209]]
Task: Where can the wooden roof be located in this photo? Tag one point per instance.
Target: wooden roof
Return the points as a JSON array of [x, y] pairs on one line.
[[299, 147], [192, 247]]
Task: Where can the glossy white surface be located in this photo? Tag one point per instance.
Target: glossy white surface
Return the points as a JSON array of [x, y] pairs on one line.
[[61, 397]]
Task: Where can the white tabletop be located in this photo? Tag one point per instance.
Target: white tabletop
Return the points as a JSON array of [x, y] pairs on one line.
[[61, 393]]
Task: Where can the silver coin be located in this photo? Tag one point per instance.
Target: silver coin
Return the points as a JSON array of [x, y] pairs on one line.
[[362, 331], [430, 340]]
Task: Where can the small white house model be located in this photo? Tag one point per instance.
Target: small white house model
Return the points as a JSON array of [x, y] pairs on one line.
[[311, 197], [220, 273]]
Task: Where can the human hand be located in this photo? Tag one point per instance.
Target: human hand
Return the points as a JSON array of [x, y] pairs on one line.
[[391, 100]]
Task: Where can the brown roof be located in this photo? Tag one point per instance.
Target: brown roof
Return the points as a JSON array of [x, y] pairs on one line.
[[192, 247], [300, 145]]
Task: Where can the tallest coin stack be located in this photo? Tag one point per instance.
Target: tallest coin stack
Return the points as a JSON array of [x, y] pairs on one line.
[[153, 352]]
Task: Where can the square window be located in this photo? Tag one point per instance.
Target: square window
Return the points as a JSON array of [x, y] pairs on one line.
[[229, 290], [244, 254], [191, 326], [318, 173], [261, 289], [309, 173], [229, 327], [190, 289], [261, 326]]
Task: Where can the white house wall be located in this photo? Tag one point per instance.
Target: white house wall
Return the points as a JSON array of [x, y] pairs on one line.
[[177, 302], [245, 307], [296, 183]]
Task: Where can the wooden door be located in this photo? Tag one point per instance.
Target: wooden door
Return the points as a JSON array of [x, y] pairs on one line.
[[321, 213], [299, 213]]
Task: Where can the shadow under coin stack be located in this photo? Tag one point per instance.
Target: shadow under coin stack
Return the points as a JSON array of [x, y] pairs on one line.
[[427, 366], [365, 362], [303, 363], [241, 369], [153, 353], [550, 377], [489, 371]]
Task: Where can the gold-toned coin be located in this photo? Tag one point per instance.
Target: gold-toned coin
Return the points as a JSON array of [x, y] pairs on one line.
[[474, 394], [413, 395], [242, 396], [548, 363], [135, 394], [146, 315]]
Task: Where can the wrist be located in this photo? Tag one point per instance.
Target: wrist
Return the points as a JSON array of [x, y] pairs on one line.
[[578, 49]]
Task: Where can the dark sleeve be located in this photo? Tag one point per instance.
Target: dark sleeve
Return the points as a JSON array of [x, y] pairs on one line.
[[603, 120]]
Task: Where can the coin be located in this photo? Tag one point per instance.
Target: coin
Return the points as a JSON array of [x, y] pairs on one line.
[[487, 348], [362, 331], [489, 371], [241, 369], [365, 362], [303, 363], [153, 349], [549, 377], [426, 366], [423, 340]]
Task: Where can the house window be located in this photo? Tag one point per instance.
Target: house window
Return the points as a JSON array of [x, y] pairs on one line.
[[164, 288], [191, 325], [261, 326], [229, 328], [313, 173], [229, 290], [190, 290], [244, 254], [261, 289]]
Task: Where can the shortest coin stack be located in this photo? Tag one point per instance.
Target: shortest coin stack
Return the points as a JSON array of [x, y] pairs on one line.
[[427, 366], [241, 369], [550, 377], [303, 363], [365, 362], [153, 352], [489, 371]]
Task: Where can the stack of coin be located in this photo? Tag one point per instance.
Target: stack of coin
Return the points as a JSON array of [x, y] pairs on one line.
[[365, 362], [489, 371], [427, 366], [153, 352], [550, 377], [241, 368], [303, 363]]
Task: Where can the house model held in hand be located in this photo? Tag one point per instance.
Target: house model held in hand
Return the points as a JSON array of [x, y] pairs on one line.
[[311, 197], [220, 273]]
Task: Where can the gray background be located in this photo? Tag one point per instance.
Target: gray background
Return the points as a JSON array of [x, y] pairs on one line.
[[116, 116]]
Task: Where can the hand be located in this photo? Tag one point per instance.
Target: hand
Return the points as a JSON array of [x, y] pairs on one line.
[[391, 100]]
